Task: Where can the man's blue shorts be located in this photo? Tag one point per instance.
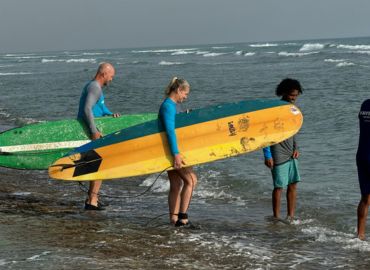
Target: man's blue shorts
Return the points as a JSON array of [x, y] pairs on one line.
[[363, 170], [286, 174]]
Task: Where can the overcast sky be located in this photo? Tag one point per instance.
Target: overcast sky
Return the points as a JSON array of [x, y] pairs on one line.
[[48, 25]]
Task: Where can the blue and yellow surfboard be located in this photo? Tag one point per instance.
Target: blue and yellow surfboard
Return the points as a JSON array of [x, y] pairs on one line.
[[203, 135]]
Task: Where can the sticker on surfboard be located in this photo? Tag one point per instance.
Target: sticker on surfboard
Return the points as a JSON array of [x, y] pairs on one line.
[[294, 110]]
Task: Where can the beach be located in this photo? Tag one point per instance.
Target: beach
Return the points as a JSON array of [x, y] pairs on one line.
[[42, 221]]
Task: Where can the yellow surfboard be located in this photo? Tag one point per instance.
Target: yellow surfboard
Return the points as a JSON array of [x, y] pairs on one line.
[[203, 135]]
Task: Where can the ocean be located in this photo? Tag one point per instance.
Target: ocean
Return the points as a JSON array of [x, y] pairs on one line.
[[42, 221]]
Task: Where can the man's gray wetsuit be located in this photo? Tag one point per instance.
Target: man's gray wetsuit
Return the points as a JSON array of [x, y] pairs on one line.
[[92, 105]]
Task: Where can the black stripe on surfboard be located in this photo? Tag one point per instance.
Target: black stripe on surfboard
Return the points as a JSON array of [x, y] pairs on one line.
[[88, 163]]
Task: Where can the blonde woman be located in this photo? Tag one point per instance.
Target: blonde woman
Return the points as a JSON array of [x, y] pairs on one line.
[[182, 180]]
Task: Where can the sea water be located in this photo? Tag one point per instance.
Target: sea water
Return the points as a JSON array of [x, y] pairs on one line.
[[42, 221]]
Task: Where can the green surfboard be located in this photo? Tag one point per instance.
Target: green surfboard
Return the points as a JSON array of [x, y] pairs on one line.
[[36, 146]]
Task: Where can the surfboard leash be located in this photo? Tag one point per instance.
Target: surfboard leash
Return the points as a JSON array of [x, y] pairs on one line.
[[86, 190]]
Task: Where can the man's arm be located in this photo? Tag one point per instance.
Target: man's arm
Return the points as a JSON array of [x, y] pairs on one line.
[[92, 97], [269, 161]]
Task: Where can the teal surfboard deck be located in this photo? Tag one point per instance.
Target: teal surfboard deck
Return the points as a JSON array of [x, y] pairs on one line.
[[38, 145]]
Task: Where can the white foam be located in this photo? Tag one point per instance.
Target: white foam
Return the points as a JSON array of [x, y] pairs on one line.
[[6, 115], [181, 52], [211, 174], [296, 54], [354, 47], [44, 60], [236, 245], [35, 257], [133, 62], [312, 47], [167, 63], [164, 50], [220, 47], [264, 45], [202, 52], [81, 60], [28, 57], [335, 60], [19, 54], [206, 193], [249, 54], [345, 64], [362, 52], [93, 53], [340, 62], [21, 193], [73, 60], [14, 73], [301, 260], [74, 55], [297, 221], [25, 120], [213, 54], [346, 240], [2, 262], [208, 188], [161, 185], [245, 54]]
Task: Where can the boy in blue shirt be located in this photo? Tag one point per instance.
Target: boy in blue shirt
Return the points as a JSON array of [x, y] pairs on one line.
[[282, 158]]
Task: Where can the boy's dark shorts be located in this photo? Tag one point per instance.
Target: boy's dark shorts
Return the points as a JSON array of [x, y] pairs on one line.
[[363, 169]]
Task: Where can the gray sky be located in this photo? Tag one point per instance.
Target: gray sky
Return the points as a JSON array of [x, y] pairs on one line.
[[48, 25]]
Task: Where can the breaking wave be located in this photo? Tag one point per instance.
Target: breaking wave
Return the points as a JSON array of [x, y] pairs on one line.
[[296, 54], [167, 63], [264, 45], [312, 47], [80, 60]]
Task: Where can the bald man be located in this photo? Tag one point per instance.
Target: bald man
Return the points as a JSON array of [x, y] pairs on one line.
[[91, 106]]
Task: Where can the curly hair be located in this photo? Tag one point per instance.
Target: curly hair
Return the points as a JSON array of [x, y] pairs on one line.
[[287, 85]]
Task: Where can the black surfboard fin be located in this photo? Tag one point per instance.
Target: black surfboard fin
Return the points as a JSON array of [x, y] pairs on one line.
[[88, 163]]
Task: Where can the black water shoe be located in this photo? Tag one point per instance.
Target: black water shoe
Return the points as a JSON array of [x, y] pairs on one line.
[[99, 207]]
